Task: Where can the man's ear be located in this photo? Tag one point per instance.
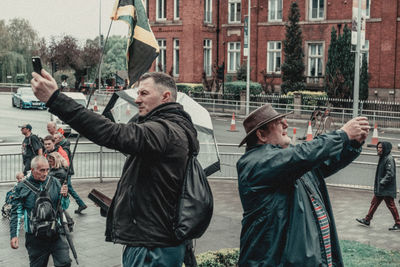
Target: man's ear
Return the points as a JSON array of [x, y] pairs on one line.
[[166, 96], [261, 135]]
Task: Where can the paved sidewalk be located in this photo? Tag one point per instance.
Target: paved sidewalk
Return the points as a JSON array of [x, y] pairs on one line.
[[224, 230]]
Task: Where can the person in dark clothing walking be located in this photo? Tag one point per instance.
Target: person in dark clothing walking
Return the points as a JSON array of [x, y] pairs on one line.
[[31, 147], [141, 215], [39, 247], [385, 186], [287, 215]]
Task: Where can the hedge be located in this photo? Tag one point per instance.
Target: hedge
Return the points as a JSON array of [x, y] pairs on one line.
[[190, 87], [233, 88]]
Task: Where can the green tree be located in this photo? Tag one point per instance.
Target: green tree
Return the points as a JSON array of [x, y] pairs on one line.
[[293, 67], [11, 64], [364, 79], [339, 75], [114, 56]]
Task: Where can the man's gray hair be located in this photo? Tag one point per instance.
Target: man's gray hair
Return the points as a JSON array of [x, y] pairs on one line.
[[35, 161], [163, 82]]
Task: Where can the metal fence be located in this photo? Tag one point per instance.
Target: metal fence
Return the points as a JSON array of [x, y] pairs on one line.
[[103, 163]]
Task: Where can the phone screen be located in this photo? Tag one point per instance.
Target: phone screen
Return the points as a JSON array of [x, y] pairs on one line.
[[37, 65]]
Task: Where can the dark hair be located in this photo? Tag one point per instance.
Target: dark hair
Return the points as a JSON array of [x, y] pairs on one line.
[[163, 82], [49, 137]]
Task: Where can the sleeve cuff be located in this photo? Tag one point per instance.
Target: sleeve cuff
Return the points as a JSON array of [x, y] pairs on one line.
[[52, 98]]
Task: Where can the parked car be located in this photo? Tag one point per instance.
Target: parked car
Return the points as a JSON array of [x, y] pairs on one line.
[[78, 97], [24, 98]]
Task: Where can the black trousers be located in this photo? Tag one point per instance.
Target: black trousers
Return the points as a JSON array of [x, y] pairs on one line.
[[39, 251]]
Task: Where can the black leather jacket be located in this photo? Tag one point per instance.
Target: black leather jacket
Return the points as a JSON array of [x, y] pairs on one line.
[[143, 207]]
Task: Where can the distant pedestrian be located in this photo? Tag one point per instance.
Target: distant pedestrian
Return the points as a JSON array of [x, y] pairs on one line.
[[50, 146], [53, 129], [385, 186], [31, 147]]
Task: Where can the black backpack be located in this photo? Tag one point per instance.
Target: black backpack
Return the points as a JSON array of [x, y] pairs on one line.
[[195, 205], [43, 219], [41, 142]]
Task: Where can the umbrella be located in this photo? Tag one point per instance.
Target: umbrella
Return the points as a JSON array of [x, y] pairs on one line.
[[122, 107]]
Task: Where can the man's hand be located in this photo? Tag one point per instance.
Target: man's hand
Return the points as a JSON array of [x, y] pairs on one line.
[[357, 129], [64, 190], [43, 86], [14, 242]]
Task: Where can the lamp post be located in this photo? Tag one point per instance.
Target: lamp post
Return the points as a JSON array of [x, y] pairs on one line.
[[357, 64], [100, 45], [248, 61], [10, 77]]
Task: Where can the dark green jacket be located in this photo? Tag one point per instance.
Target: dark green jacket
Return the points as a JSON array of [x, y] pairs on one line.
[[279, 227], [385, 176], [24, 201]]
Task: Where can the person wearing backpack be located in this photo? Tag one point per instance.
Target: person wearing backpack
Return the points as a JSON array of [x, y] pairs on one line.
[[31, 146], [157, 142], [36, 198]]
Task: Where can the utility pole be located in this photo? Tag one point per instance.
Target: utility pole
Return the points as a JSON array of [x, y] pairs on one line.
[[100, 42], [248, 61], [356, 86]]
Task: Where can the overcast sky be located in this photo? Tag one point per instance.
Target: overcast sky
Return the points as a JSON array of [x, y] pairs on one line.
[[79, 18]]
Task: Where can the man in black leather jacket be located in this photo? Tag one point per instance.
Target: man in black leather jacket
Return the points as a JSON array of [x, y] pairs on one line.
[[385, 186], [142, 212]]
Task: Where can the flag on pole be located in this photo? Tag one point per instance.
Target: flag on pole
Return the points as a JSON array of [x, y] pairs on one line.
[[142, 46]]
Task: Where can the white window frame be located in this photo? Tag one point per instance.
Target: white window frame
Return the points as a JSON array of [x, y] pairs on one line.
[[274, 57], [176, 10], [233, 53], [237, 16], [161, 4], [145, 4], [365, 50], [208, 11], [274, 10], [319, 59], [368, 9], [162, 43], [207, 56], [176, 58], [318, 17]]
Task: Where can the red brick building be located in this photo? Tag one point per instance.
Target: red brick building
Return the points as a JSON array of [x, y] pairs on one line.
[[195, 35]]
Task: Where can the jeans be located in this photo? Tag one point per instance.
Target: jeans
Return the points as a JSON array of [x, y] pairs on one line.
[[74, 194], [376, 201], [153, 257], [40, 250]]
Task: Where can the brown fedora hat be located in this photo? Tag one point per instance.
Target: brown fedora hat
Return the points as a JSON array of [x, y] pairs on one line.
[[260, 117]]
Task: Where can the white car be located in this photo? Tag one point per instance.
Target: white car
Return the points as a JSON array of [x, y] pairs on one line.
[[80, 99]]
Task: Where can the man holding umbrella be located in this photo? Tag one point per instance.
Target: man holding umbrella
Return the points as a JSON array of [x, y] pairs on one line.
[[157, 144]]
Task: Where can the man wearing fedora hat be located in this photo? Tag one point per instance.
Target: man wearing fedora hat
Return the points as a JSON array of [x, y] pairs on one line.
[[287, 218]]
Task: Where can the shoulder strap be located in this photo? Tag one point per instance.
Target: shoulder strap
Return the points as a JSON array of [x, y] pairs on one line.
[[47, 186], [30, 186]]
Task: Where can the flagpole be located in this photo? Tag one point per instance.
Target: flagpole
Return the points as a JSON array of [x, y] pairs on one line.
[[248, 62]]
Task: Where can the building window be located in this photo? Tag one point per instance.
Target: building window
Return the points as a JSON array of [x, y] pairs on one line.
[[161, 61], [176, 57], [176, 9], [275, 10], [274, 57], [161, 9], [146, 6], [315, 59], [207, 11], [317, 9], [365, 50], [233, 56], [235, 11], [368, 9], [207, 45]]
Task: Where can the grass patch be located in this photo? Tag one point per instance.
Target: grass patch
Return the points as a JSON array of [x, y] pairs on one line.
[[354, 254], [360, 255]]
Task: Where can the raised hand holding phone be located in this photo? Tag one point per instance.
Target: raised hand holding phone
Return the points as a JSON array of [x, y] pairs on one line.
[[37, 65]]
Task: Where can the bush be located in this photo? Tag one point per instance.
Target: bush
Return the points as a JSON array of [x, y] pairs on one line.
[[237, 86], [188, 88], [221, 258]]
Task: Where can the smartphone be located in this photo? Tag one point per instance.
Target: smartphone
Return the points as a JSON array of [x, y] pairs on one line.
[[37, 65]]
